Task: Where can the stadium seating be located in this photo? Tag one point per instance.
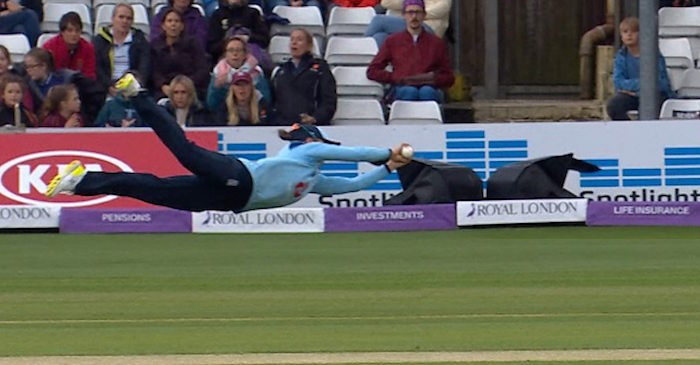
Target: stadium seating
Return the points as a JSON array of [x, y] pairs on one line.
[[257, 7], [103, 17], [306, 17], [279, 49], [393, 12], [681, 109], [358, 112], [145, 3], [54, 11], [157, 8], [349, 21], [689, 86], [415, 112], [677, 52], [87, 3], [17, 44], [352, 82], [346, 51], [679, 22]]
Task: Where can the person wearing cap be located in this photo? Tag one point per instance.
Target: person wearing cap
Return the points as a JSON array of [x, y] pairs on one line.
[[303, 88], [421, 65], [245, 105], [220, 182]]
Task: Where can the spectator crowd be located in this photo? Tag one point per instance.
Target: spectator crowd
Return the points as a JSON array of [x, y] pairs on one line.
[[209, 63]]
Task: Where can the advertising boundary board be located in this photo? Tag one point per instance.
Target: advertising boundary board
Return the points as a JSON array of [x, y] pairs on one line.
[[391, 218], [640, 161], [643, 214], [278, 220], [90, 220], [496, 212], [29, 216]]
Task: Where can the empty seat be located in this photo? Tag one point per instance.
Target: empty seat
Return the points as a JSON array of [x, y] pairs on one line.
[[349, 21], [104, 17], [676, 76], [393, 12], [415, 112], [677, 52], [87, 3], [353, 82], [679, 22], [689, 86], [54, 11], [307, 17], [358, 112], [681, 109], [346, 51], [279, 49], [17, 44], [145, 3], [257, 7]]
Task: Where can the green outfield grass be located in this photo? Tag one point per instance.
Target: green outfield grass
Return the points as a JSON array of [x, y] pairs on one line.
[[484, 289]]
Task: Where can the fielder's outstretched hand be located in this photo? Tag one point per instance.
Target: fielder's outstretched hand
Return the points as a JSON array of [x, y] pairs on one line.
[[399, 157]]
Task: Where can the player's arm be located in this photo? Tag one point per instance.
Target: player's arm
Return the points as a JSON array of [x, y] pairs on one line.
[[329, 152], [329, 185]]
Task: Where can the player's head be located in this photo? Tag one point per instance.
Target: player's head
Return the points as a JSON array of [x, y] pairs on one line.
[[304, 133]]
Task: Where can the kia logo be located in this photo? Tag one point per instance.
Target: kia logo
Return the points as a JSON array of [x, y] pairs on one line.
[[23, 179]]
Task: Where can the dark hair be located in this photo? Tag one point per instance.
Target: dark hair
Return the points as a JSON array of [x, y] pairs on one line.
[[54, 97], [10, 79], [172, 10], [70, 18], [171, 2], [42, 56], [6, 52]]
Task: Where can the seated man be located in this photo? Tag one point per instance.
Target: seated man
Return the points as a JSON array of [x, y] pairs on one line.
[[69, 49], [626, 73], [419, 59], [16, 19]]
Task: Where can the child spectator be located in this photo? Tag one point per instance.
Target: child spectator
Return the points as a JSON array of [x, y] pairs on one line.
[[69, 49], [62, 108], [177, 53], [184, 105], [119, 112], [421, 66], [7, 69], [12, 111], [626, 73], [42, 77]]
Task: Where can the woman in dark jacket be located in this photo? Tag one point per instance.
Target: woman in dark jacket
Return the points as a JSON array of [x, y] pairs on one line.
[[118, 34], [183, 104], [177, 54], [304, 88]]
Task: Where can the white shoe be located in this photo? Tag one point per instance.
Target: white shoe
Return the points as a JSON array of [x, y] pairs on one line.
[[67, 180], [127, 85]]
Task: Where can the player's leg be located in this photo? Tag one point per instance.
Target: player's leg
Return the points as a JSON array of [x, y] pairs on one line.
[[202, 162], [180, 192], [190, 193]]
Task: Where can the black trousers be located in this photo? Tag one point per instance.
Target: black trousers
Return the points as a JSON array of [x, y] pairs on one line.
[[219, 182]]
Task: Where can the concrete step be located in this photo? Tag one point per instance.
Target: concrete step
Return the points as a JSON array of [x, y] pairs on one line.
[[524, 110]]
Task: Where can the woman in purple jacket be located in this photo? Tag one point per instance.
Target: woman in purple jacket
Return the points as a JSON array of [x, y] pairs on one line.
[[195, 22], [177, 53]]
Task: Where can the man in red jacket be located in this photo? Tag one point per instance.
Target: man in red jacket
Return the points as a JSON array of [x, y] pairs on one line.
[[69, 49], [421, 65]]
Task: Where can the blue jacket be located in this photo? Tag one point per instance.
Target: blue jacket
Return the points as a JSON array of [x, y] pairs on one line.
[[296, 171], [626, 74]]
